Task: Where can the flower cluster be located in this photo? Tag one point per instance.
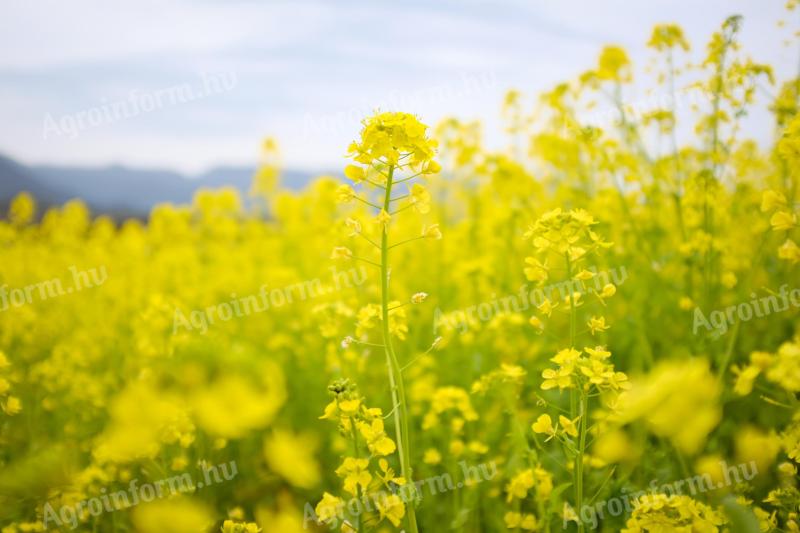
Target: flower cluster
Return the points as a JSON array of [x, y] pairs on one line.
[[363, 426], [587, 369], [781, 368], [395, 139], [659, 512]]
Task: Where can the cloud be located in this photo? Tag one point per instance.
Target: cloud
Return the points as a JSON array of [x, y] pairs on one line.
[[295, 60]]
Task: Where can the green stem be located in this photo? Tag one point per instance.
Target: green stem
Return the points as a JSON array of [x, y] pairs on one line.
[[358, 520], [573, 316], [395, 374], [573, 319], [584, 414]]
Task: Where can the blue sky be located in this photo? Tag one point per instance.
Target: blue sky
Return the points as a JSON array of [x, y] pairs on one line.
[[304, 72]]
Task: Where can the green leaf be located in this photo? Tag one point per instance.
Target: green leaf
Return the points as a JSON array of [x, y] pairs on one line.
[[741, 518]]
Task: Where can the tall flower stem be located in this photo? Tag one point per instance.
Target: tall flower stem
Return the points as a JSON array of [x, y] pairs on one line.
[[575, 397], [573, 318], [399, 406], [584, 414]]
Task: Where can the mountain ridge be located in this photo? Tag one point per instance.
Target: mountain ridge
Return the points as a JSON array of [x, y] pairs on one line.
[[120, 190]]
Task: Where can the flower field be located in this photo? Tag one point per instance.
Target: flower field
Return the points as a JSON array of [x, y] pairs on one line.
[[596, 327]]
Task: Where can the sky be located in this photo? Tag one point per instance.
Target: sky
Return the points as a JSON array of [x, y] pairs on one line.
[[189, 85]]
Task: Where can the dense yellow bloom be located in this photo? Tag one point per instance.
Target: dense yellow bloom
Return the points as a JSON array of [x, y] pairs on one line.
[[659, 512], [387, 137], [210, 329]]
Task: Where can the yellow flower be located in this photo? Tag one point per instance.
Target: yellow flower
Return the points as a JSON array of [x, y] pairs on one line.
[[383, 219], [771, 200], [561, 378], [536, 270], [609, 290], [568, 426], [597, 371], [354, 472], [353, 225], [512, 372], [789, 251], [330, 508], [392, 508], [745, 377], [477, 447], [355, 173], [666, 36], [753, 444], [22, 209], [432, 457], [377, 441], [528, 522], [673, 513], [544, 425], [546, 307], [783, 220], [518, 520], [12, 406], [597, 324], [349, 407], [345, 193], [512, 519], [614, 64], [519, 485], [567, 356], [387, 474], [598, 352], [711, 465]]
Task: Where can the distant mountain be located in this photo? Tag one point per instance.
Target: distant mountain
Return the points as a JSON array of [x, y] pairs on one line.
[[15, 178], [123, 191]]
